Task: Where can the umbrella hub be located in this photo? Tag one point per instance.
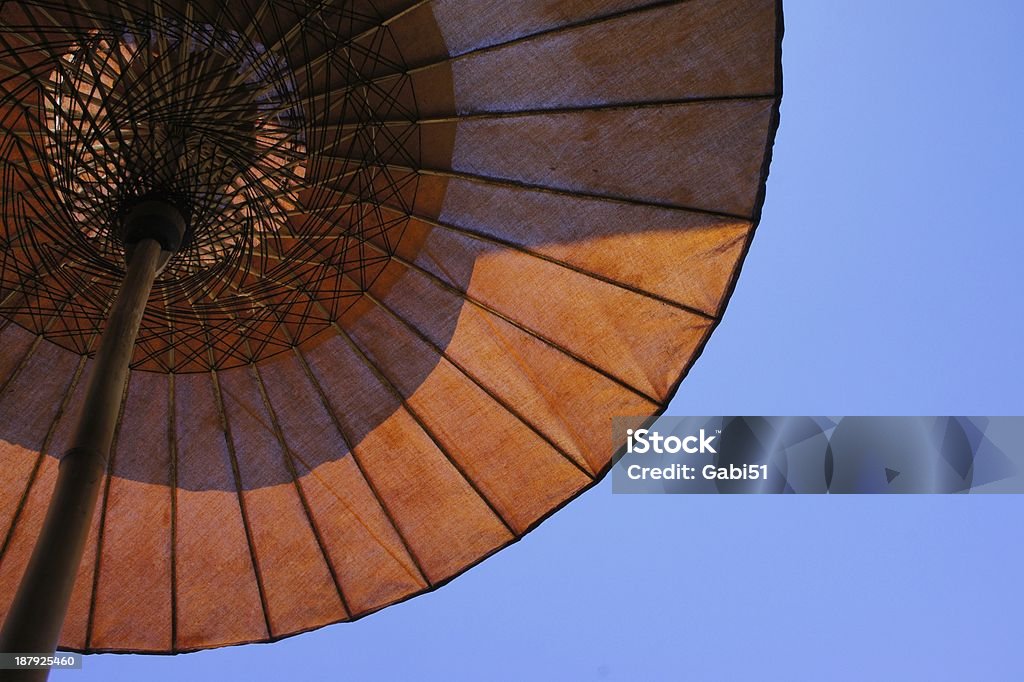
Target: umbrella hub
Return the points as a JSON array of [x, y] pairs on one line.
[[157, 220]]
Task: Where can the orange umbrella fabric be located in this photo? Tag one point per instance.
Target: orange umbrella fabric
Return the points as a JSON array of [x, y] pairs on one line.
[[434, 248]]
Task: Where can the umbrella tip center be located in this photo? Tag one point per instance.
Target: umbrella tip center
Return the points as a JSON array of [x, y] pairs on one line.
[[155, 219]]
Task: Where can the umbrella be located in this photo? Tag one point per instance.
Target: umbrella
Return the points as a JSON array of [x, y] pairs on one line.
[[390, 268]]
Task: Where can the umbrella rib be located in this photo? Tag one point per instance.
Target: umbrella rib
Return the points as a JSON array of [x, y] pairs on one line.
[[229, 442], [386, 382], [100, 533], [585, 470], [497, 114], [47, 440], [362, 472], [507, 182], [286, 455], [172, 446], [391, 19], [22, 363]]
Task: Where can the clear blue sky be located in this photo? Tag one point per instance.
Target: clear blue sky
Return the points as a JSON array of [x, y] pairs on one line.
[[885, 279]]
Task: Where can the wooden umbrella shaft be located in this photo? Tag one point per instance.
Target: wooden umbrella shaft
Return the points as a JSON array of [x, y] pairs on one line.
[[34, 622]]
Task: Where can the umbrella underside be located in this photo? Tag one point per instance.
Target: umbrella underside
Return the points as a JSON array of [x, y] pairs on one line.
[[433, 248]]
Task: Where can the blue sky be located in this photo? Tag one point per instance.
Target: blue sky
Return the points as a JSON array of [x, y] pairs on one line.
[[885, 279]]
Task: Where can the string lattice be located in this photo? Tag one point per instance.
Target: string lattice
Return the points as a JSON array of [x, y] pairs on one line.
[[277, 135]]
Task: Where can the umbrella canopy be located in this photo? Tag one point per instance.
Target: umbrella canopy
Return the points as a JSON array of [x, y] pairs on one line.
[[432, 248]]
